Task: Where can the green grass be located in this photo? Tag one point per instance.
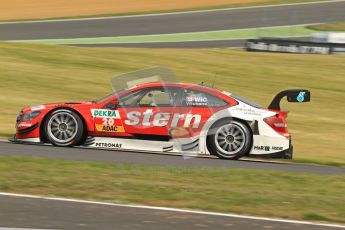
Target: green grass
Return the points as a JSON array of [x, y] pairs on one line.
[[6, 135], [284, 31], [34, 74], [335, 26], [262, 193], [329, 162]]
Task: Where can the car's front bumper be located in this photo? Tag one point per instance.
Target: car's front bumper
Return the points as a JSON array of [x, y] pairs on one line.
[[34, 140]]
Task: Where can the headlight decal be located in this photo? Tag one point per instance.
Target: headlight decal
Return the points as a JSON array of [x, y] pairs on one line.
[[30, 116], [19, 116]]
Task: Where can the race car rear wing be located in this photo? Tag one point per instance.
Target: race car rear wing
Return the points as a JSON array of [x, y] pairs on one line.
[[293, 95]]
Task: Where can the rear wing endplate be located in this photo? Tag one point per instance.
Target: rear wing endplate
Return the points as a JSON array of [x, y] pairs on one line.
[[293, 95]]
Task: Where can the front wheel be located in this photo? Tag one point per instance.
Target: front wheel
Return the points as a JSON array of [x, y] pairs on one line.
[[64, 128], [229, 139]]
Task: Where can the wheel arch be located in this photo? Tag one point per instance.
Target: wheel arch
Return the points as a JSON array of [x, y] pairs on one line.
[[43, 137], [247, 123]]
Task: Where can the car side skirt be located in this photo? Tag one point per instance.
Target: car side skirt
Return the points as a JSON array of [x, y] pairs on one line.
[[263, 146], [190, 146]]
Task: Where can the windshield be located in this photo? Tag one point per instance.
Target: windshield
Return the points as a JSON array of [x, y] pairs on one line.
[[109, 96]]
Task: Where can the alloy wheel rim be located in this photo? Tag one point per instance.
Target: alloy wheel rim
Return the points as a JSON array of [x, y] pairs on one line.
[[230, 139], [62, 127]]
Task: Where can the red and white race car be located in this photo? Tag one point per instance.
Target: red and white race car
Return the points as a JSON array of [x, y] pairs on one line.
[[165, 117]]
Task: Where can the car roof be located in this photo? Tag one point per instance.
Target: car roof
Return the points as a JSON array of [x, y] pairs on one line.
[[202, 87]]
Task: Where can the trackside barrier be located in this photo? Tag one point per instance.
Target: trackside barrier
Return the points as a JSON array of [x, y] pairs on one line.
[[293, 46]]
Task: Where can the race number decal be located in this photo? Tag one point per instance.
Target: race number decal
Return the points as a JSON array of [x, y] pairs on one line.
[[107, 120]]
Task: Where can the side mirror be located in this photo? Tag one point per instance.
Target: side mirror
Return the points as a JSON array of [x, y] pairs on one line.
[[113, 104]]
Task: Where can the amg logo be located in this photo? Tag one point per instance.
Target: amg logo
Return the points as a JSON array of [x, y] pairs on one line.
[[262, 148], [109, 145]]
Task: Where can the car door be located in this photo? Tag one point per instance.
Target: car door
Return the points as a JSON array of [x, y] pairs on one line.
[[109, 120], [147, 113]]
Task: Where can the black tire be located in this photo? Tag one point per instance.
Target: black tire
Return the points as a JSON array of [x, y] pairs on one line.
[[64, 127], [225, 136]]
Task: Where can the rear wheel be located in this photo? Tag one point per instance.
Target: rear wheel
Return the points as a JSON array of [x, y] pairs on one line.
[[229, 139], [64, 128]]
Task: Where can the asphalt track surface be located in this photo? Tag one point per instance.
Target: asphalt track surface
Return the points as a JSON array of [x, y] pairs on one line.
[[111, 156], [177, 22], [28, 212]]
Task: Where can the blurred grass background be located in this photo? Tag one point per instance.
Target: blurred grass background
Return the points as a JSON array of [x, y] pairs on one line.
[[34, 74]]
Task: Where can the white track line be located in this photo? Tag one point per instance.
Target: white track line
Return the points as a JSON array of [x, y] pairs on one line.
[[3, 228], [173, 13], [173, 210]]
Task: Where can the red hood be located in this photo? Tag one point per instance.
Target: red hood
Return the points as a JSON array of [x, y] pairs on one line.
[[57, 104]]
